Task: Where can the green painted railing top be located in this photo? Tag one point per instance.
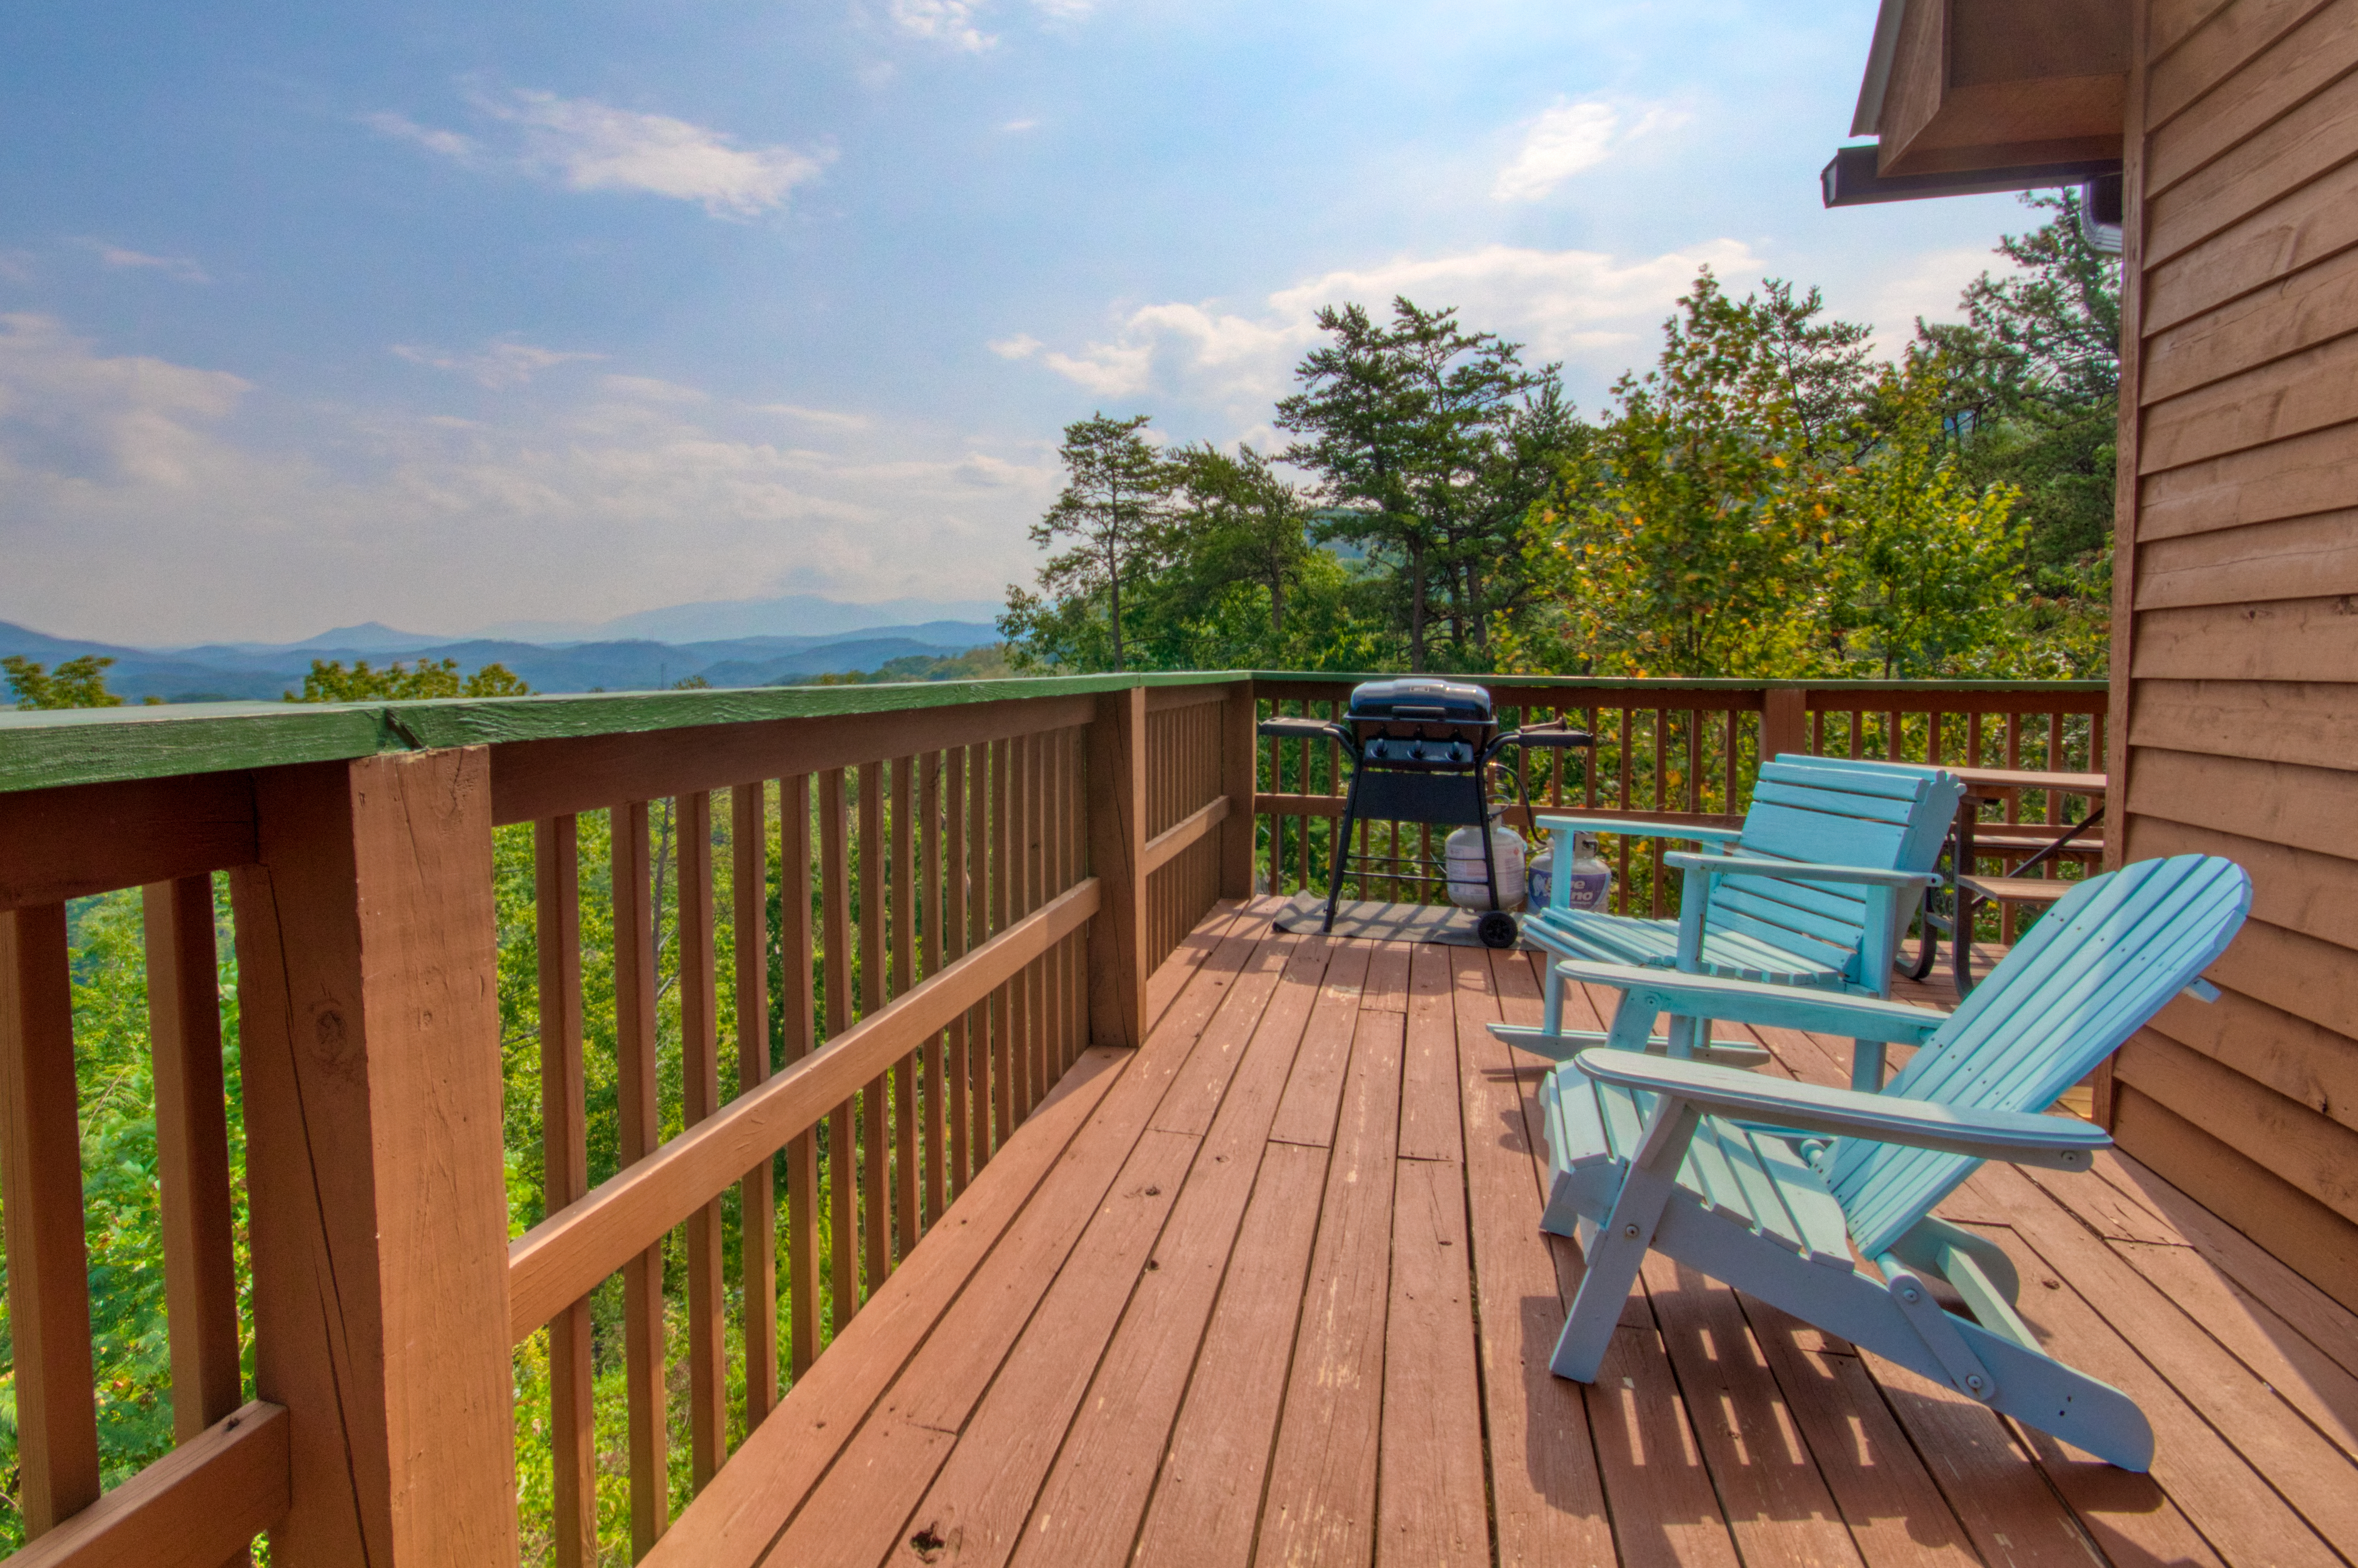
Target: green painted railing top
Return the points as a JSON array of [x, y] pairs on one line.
[[42, 750]]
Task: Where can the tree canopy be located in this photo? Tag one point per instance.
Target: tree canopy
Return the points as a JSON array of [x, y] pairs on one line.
[[330, 681], [1768, 497]]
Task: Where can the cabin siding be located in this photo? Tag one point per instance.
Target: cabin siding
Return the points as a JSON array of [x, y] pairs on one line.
[[2235, 691]]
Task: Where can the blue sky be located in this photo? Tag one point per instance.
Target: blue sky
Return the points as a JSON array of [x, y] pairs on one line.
[[447, 314]]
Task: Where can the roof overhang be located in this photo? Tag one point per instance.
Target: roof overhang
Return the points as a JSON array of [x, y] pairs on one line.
[[1989, 89]]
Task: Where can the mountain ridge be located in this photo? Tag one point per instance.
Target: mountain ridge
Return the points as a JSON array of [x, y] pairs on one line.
[[244, 671]]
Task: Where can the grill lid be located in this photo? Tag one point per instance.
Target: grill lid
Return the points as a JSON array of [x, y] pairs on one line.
[[1420, 697]]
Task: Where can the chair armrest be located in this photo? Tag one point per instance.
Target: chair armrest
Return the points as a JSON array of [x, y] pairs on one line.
[[1754, 1001], [1800, 871], [1639, 830], [2064, 1143]]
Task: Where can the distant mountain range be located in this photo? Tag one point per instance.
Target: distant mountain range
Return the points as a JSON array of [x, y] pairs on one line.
[[227, 671], [730, 620]]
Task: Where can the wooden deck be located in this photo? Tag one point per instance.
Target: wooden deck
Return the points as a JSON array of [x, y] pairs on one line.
[[1269, 1291]]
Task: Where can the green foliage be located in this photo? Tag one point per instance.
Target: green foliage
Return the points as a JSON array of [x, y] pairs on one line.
[[1685, 538], [329, 681], [2033, 393], [1925, 574], [1768, 502], [76, 683]]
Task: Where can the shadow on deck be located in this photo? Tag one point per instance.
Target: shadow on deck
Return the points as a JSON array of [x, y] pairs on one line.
[[1271, 1290]]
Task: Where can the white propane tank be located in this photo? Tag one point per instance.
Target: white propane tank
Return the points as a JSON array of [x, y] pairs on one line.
[[1462, 855], [1591, 880], [1590, 883]]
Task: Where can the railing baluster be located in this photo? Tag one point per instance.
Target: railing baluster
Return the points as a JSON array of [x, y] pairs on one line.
[[875, 1135], [749, 844], [1004, 1062], [638, 1129], [565, 1176], [700, 1029], [797, 1024], [842, 1153], [192, 1152], [40, 1193], [904, 955], [929, 812], [965, 1061], [1035, 872]]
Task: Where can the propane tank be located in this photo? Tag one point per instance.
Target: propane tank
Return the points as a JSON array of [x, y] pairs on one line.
[[1590, 880], [1462, 854]]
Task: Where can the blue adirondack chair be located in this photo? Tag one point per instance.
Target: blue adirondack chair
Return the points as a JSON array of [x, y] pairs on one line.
[[1815, 890], [1770, 1184]]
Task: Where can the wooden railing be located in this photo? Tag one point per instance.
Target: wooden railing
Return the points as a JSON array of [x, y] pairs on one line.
[[795, 965], [1679, 752], [569, 1030]]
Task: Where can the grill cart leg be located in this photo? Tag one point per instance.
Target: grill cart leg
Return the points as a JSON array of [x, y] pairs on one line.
[[1496, 927], [1342, 852]]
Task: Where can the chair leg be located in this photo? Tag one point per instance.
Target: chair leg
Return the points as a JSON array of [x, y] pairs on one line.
[[1866, 1065], [1551, 1007], [1615, 1253]]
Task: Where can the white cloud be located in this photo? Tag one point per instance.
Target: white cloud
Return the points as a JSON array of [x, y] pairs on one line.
[[501, 362], [401, 127], [1568, 138], [82, 420], [1021, 346], [826, 417], [959, 23], [1014, 126], [133, 507], [950, 22], [126, 260], [1110, 370], [1927, 285], [1583, 306], [588, 145]]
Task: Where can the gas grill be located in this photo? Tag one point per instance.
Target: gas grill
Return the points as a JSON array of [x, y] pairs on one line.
[[1421, 751]]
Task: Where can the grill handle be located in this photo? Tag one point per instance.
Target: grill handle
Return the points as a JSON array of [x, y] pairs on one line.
[[1284, 728], [1556, 736]]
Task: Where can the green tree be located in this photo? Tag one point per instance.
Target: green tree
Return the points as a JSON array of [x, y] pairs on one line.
[[1928, 563], [1685, 539], [2034, 403], [1114, 508], [330, 681], [1405, 424], [76, 683], [1238, 522]]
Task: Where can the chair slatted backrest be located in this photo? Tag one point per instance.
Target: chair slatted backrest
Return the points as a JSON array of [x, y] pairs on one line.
[[1881, 816], [2107, 958]]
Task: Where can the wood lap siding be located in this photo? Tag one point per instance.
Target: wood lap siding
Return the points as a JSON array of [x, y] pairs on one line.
[[2236, 645]]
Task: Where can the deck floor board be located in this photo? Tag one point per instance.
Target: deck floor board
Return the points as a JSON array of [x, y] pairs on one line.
[[1271, 1290]]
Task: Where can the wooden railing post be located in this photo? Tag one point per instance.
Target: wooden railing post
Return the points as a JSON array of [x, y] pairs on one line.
[[370, 1045], [1240, 748], [1117, 859], [1784, 722]]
